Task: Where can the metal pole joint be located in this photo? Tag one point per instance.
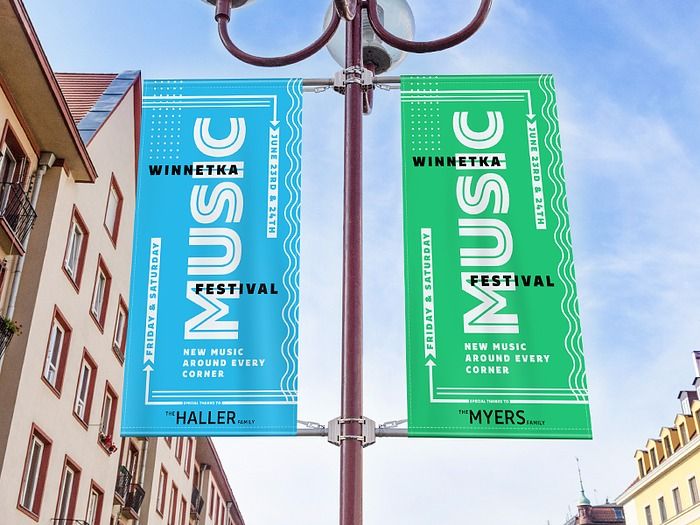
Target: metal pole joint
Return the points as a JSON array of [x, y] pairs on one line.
[[337, 433]]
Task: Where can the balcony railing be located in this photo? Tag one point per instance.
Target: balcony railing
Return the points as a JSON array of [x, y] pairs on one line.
[[134, 499], [197, 503], [68, 521], [17, 210], [123, 483]]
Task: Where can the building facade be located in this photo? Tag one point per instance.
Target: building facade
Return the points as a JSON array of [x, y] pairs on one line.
[[68, 164], [668, 468]]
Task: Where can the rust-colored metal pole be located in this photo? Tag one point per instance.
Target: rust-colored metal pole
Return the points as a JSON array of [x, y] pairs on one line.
[[351, 403]]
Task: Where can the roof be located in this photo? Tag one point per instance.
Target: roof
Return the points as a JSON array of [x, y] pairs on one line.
[[607, 514], [92, 97], [83, 90], [30, 82]]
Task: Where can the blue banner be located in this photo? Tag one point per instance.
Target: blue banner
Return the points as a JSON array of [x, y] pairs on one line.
[[213, 328]]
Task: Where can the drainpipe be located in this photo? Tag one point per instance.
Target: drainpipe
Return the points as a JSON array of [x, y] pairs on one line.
[[45, 162], [142, 475]]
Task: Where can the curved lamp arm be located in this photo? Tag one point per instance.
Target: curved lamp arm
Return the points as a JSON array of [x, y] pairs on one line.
[[427, 47], [223, 17], [346, 8]]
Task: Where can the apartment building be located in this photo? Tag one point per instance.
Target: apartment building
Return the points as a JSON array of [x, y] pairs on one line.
[[668, 468], [68, 163], [183, 481]]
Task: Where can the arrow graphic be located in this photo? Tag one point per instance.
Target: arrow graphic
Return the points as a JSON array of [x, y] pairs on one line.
[[430, 364]]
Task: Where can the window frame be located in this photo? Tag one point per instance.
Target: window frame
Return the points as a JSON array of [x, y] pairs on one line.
[[39, 484], [189, 445], [57, 319], [19, 155], [114, 235], [68, 463], [101, 268], [179, 440], [77, 219], [647, 514], [162, 490], [173, 504], [87, 359], [663, 513], [120, 349], [677, 501], [112, 393], [183, 510], [94, 487], [693, 489]]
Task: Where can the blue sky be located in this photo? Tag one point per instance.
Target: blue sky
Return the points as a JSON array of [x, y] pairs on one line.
[[627, 80]]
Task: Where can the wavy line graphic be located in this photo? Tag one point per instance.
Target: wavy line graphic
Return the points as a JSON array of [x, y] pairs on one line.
[[562, 238], [291, 245]]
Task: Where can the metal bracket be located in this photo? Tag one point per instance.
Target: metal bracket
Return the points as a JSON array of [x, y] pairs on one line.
[[336, 431], [353, 75]]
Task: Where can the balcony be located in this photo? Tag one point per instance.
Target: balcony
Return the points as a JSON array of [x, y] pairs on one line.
[[17, 216], [133, 501], [8, 329], [121, 489], [197, 503]]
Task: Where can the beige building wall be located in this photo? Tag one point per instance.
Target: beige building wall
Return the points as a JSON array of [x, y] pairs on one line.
[[26, 400], [11, 121], [667, 488]]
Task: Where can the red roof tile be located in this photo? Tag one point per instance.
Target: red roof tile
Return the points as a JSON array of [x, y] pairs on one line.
[[83, 90]]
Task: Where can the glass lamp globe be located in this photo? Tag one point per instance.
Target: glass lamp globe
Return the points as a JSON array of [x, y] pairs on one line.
[[234, 3], [396, 16]]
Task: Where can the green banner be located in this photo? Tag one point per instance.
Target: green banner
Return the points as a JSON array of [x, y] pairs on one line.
[[493, 334]]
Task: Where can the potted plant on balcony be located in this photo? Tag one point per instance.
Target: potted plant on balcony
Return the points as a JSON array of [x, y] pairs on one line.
[[8, 328], [107, 442]]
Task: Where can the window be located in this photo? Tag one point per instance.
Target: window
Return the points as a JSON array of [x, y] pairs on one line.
[[662, 509], [172, 512], [162, 487], [647, 512], [119, 341], [640, 465], [132, 461], [108, 416], [178, 449], [183, 511], [218, 509], [56, 352], [100, 294], [654, 462], [67, 492], [85, 388], [94, 508], [188, 455], [76, 247], [677, 504], [222, 513], [693, 486], [114, 210], [684, 434], [667, 446], [34, 475], [13, 160]]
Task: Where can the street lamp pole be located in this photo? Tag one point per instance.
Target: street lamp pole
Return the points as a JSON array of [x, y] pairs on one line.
[[358, 99]]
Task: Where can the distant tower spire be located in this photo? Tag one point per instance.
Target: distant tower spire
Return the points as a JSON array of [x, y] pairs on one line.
[[584, 500]]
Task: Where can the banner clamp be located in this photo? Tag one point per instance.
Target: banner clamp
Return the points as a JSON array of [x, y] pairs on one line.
[[336, 431]]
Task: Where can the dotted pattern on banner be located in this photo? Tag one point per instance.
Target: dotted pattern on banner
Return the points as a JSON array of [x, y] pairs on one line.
[[426, 136], [166, 124]]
